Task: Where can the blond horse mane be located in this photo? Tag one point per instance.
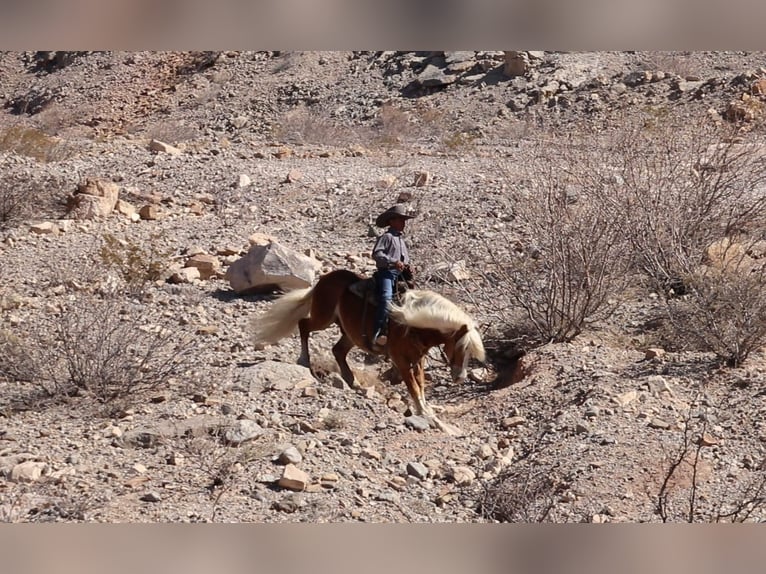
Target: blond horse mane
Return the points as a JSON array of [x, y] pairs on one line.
[[425, 309]]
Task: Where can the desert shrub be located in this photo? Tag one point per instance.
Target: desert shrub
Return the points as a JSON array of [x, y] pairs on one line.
[[688, 193], [97, 347], [393, 126], [677, 63], [138, 264], [681, 188], [722, 311], [459, 141], [686, 490], [524, 493], [24, 195], [16, 363], [172, 132], [221, 465], [301, 126], [569, 268], [34, 143]]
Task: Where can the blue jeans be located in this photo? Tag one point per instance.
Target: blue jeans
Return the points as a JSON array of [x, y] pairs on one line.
[[386, 281]]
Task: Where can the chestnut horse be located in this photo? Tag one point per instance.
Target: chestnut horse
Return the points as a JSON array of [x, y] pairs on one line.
[[423, 319]]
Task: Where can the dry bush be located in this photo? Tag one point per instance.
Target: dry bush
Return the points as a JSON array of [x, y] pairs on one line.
[[172, 132], [221, 466], [682, 187], [721, 312], [677, 63], [570, 268], [653, 197], [35, 143], [16, 363], [460, 141], [394, 126], [24, 195], [397, 127], [685, 490], [99, 347], [301, 126], [687, 193], [524, 493], [138, 264]]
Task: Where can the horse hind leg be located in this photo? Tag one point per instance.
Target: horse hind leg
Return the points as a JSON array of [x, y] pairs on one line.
[[340, 351], [304, 328], [319, 319]]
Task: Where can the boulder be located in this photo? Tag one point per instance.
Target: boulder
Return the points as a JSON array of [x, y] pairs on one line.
[[271, 267], [516, 63], [208, 265], [162, 147], [93, 199]]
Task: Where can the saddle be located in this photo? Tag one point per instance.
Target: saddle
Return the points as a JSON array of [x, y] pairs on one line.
[[365, 290]]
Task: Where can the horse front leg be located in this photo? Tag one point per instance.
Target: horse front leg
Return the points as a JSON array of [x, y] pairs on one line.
[[416, 384]]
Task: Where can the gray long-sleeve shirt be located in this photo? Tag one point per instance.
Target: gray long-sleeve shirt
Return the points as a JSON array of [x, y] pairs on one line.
[[390, 248]]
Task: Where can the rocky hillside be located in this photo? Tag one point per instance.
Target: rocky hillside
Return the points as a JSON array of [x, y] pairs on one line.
[[207, 153]]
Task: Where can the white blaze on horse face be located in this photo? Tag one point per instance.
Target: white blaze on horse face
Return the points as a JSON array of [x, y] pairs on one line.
[[459, 372]]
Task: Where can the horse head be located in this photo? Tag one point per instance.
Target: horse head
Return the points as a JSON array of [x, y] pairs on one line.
[[460, 347], [457, 331]]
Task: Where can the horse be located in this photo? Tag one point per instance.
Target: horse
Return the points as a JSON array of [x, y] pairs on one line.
[[421, 320]]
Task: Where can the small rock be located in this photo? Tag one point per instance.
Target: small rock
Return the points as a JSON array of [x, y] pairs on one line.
[[417, 423], [512, 422], [422, 178], [418, 470], [290, 455], [654, 353], [289, 503], [708, 440], [294, 478], [485, 451], [592, 412], [658, 423], [337, 382], [293, 176], [626, 398], [329, 480], [162, 147], [45, 228], [185, 275], [29, 471], [244, 181], [242, 431], [207, 265], [149, 212], [151, 496], [462, 475], [371, 454]]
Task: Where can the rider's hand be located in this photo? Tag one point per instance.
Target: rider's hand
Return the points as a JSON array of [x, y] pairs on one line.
[[398, 265]]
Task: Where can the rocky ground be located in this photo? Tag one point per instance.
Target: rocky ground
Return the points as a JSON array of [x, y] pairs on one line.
[[308, 148]]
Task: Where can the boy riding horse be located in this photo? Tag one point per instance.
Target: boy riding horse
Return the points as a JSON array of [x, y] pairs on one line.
[[392, 260]]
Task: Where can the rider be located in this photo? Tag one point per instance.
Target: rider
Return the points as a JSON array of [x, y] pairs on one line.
[[391, 258]]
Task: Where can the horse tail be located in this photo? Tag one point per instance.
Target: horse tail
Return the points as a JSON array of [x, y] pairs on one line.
[[282, 318]]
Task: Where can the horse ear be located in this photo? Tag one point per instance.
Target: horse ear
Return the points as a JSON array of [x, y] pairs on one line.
[[460, 333]]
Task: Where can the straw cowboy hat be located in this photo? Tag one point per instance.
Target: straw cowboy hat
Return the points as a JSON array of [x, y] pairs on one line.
[[397, 210]]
